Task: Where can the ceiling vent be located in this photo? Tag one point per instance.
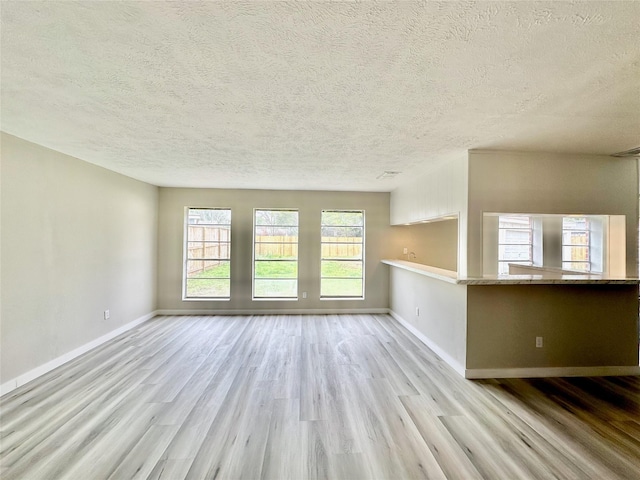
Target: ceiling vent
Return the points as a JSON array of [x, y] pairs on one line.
[[387, 175], [634, 152]]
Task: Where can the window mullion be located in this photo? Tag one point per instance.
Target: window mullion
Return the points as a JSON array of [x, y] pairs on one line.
[[207, 257], [342, 254], [275, 254]]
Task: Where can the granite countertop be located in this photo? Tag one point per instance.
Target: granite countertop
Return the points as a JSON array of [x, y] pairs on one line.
[[450, 276]]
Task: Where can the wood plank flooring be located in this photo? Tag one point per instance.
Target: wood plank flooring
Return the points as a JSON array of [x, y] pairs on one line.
[[307, 397]]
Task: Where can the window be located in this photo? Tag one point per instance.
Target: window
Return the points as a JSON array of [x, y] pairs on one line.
[[342, 254], [207, 253], [515, 235], [275, 254], [575, 244]]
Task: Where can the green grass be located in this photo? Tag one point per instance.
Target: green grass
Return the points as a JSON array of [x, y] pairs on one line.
[[269, 269], [341, 287], [332, 268], [208, 287], [275, 288], [278, 269], [333, 285], [214, 282], [219, 271]]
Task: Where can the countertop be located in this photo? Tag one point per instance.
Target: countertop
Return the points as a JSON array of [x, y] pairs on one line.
[[450, 276]]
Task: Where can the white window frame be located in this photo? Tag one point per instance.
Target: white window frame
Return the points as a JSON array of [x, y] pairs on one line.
[[587, 231], [257, 260], [187, 257], [503, 264], [361, 260]]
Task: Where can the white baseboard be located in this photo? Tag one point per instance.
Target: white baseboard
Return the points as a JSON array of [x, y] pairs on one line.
[[281, 311], [478, 373], [429, 343], [56, 362], [467, 373]]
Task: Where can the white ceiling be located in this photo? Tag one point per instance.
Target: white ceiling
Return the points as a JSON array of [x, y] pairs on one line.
[[316, 95]]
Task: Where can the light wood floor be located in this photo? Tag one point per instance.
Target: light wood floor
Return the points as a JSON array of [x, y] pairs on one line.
[[296, 397]]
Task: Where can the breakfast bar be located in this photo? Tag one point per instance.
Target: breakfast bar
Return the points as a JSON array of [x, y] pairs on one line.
[[520, 325]]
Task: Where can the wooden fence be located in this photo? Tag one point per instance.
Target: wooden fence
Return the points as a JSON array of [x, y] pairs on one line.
[[287, 247], [275, 246], [207, 241], [342, 249]]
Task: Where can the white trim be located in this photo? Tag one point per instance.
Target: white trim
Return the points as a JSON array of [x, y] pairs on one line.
[[551, 372], [363, 244], [453, 363], [206, 299], [277, 311], [56, 362], [276, 299], [343, 299], [478, 373]]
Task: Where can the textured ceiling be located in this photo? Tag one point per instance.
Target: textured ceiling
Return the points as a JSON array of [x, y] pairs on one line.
[[316, 95]]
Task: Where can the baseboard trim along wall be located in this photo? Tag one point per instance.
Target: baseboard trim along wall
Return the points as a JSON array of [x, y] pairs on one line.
[[595, 371], [478, 373], [56, 362], [424, 339], [300, 311]]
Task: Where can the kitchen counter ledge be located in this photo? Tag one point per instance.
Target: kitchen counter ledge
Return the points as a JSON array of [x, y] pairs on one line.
[[450, 276]]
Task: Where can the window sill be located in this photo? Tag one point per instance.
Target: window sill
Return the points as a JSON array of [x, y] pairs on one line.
[[207, 299], [342, 298], [275, 299]]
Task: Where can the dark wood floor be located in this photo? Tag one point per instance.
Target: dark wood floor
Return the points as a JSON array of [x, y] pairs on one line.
[[296, 397]]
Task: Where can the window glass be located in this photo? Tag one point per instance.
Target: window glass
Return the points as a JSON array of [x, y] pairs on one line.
[[207, 264], [275, 254], [515, 241], [576, 244], [342, 254]]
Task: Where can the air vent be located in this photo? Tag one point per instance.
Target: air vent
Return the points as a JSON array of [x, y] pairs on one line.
[[634, 152], [387, 175]]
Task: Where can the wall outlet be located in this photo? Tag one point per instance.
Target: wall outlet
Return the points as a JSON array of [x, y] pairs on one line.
[[539, 342], [107, 314], [417, 311], [405, 250], [304, 294]]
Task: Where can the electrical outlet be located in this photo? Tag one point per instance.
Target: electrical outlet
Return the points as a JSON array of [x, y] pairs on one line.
[[405, 250], [304, 294], [107, 314], [417, 311], [539, 342]]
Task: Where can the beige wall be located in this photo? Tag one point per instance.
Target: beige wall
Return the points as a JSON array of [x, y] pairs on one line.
[[434, 243], [442, 313], [586, 326], [547, 183], [581, 326], [76, 239], [242, 202]]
